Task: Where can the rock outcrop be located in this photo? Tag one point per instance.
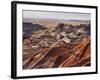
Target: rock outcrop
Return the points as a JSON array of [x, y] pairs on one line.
[[60, 55]]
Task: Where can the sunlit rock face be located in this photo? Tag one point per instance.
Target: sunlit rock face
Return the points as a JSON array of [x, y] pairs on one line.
[[61, 46], [60, 55]]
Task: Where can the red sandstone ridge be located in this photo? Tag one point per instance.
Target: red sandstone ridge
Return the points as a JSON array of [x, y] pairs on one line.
[[60, 55]]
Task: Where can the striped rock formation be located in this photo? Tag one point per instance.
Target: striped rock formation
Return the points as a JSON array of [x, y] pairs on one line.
[[60, 55]]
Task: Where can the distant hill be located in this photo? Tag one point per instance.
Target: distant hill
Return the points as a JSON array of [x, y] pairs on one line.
[[28, 28]]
